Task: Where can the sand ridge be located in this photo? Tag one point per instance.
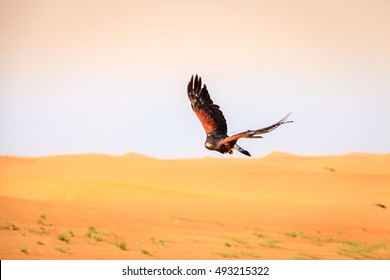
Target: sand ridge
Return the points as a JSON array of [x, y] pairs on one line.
[[134, 207]]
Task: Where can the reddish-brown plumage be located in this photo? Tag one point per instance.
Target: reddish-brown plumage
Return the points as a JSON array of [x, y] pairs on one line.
[[207, 121]]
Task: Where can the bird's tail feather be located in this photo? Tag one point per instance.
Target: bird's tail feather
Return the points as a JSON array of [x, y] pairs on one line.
[[255, 133], [241, 150]]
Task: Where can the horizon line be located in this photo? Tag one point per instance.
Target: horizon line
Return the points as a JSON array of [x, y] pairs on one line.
[[140, 155]]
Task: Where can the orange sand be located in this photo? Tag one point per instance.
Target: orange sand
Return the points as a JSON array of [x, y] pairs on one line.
[[278, 207]]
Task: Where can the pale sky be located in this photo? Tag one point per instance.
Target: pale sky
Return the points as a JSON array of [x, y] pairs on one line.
[[110, 76]]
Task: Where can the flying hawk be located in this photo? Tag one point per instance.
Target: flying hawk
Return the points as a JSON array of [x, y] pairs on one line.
[[214, 122]]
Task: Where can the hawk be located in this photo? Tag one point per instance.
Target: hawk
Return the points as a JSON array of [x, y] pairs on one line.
[[214, 123]]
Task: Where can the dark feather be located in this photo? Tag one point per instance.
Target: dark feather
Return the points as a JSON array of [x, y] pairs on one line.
[[208, 113]]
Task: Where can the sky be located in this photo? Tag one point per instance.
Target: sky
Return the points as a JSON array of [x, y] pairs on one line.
[[110, 77]]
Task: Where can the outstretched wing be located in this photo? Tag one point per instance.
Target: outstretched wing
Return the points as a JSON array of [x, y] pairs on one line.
[[256, 133], [208, 113]]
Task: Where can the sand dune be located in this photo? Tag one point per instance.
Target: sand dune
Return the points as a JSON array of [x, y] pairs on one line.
[[281, 206]]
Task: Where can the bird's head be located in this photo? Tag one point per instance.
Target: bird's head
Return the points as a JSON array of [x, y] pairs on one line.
[[209, 145]]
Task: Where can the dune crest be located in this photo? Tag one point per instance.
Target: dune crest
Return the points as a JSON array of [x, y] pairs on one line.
[[136, 155]]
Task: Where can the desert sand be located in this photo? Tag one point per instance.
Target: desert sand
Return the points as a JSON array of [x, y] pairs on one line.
[[281, 206]]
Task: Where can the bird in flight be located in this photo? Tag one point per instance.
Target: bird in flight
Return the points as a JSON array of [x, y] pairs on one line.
[[214, 123]]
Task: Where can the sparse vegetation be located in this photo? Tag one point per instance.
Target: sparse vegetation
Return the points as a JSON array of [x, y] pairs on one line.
[[238, 241], [330, 169], [92, 233], [24, 251], [233, 255], [108, 237], [259, 235], [316, 240], [98, 237], [349, 242], [71, 233], [39, 230], [62, 250], [5, 225], [121, 245], [294, 234], [362, 250], [63, 238], [270, 243], [249, 255], [40, 242], [42, 219], [13, 227], [146, 253], [237, 255], [160, 242], [350, 248], [227, 244], [328, 240], [304, 256]]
